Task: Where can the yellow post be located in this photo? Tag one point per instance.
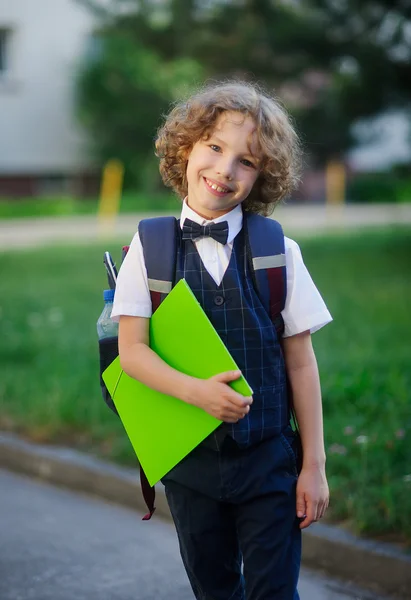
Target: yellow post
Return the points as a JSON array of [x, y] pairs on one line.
[[335, 183], [110, 194]]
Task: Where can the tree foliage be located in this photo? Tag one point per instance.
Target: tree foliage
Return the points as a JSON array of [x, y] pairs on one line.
[[122, 94], [331, 61]]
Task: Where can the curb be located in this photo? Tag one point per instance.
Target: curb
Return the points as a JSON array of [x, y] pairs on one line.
[[377, 566]]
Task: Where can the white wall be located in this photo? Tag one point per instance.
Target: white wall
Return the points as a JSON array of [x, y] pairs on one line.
[[38, 130]]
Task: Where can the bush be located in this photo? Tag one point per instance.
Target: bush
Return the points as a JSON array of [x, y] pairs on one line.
[[379, 187], [43, 207], [131, 202]]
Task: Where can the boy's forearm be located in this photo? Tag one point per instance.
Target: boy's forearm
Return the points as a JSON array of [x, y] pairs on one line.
[[146, 366], [305, 385]]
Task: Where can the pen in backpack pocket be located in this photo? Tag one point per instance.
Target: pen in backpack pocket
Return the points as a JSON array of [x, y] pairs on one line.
[[111, 270]]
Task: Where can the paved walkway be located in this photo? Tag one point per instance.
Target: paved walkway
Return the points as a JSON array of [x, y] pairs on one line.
[[57, 545], [296, 220]]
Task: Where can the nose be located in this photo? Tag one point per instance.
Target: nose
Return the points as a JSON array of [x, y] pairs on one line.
[[225, 168]]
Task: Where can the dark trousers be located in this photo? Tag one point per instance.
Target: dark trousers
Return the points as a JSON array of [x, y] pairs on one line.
[[237, 506]]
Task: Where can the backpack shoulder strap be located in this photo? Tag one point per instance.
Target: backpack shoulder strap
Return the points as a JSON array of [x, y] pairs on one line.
[[159, 240], [266, 251], [265, 247], [158, 237]]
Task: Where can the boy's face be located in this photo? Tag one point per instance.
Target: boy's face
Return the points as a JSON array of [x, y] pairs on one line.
[[222, 169]]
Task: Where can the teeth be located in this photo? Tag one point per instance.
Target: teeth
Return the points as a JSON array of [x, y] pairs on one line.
[[217, 187]]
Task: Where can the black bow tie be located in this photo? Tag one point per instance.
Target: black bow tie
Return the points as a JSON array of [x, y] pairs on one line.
[[218, 231]]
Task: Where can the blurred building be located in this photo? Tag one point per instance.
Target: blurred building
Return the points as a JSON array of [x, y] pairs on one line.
[[42, 148]]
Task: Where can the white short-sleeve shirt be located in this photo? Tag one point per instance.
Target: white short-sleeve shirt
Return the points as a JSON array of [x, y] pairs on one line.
[[304, 307]]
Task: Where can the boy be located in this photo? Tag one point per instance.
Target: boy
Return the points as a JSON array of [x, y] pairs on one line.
[[237, 498]]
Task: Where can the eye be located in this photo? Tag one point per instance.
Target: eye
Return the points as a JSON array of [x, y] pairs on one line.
[[215, 148], [247, 163]]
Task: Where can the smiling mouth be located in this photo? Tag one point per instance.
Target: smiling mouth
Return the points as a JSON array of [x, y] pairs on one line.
[[216, 187]]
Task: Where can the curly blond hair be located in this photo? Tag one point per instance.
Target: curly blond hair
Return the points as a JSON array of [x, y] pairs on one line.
[[194, 119]]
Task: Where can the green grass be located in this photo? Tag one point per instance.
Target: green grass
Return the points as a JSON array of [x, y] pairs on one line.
[[67, 205], [364, 357], [50, 301]]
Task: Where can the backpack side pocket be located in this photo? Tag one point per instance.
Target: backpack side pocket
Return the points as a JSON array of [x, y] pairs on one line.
[[108, 351]]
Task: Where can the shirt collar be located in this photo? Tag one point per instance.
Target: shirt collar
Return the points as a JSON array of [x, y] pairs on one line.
[[234, 219]]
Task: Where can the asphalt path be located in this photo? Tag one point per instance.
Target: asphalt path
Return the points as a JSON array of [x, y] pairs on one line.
[[58, 545], [296, 220]]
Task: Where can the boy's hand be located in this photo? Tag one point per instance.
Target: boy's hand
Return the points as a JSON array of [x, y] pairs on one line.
[[216, 397], [312, 495]]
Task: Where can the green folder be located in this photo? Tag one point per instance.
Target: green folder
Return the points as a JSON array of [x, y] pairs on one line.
[[163, 429]]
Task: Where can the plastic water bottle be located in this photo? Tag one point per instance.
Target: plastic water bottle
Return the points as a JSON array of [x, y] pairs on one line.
[[106, 328], [107, 331]]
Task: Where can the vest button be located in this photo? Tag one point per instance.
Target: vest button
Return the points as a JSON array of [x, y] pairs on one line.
[[219, 300]]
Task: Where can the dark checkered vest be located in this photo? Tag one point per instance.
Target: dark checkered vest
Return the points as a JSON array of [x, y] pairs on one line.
[[243, 324], [237, 313]]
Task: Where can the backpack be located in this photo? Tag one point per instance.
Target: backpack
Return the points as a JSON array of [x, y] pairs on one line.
[[265, 252]]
